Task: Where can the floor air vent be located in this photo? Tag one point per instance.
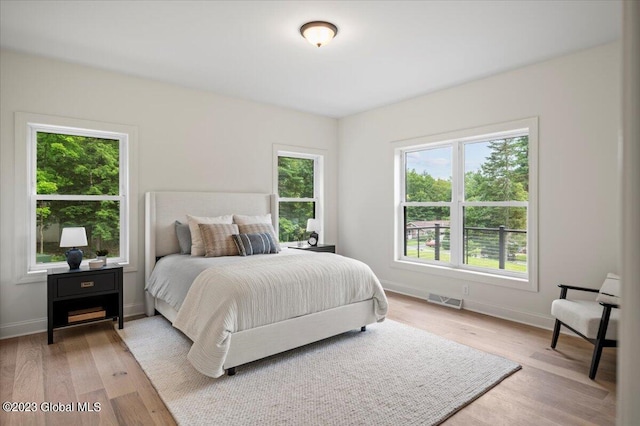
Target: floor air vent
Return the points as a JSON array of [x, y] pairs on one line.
[[445, 301]]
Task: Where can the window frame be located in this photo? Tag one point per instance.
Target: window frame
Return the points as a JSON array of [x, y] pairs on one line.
[[318, 183], [456, 268], [27, 126]]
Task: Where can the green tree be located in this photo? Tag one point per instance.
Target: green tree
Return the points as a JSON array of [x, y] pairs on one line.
[[422, 187], [295, 177], [79, 165], [504, 176], [295, 180], [43, 209]]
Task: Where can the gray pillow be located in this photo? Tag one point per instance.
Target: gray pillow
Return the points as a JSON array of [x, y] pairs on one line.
[[250, 244], [184, 237]]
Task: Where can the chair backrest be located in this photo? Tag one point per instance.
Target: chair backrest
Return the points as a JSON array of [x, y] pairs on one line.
[[610, 290]]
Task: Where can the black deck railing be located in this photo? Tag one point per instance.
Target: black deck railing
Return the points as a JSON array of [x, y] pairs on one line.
[[492, 242]]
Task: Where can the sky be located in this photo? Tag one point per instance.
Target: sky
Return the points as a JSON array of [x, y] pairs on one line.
[[437, 161]]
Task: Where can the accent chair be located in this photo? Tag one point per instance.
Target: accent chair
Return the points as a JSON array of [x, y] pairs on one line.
[[595, 321]]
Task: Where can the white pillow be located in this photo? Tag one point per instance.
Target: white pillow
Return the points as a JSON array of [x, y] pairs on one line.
[[197, 245], [241, 219], [610, 290]]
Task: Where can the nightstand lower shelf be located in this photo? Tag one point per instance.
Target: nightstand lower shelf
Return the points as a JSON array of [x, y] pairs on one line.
[[108, 302]]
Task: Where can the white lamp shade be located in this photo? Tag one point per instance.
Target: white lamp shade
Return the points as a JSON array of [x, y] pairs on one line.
[[313, 225], [73, 237]]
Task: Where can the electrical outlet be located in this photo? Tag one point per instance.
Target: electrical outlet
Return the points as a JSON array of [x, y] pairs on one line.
[[465, 290]]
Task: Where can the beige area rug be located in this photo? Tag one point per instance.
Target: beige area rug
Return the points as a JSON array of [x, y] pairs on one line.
[[390, 374]]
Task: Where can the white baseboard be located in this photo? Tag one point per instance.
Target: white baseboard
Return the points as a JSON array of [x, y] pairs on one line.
[[22, 328], [39, 325], [133, 309], [528, 318]]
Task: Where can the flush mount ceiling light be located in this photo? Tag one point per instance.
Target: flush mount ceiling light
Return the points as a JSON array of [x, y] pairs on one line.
[[318, 33]]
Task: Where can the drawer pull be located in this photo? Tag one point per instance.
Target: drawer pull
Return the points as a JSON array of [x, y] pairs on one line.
[[86, 284]]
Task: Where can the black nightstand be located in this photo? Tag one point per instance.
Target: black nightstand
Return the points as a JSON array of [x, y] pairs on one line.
[[327, 248], [83, 296]]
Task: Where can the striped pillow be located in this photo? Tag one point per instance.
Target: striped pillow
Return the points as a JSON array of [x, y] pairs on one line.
[[259, 228], [217, 239], [250, 244], [610, 290]]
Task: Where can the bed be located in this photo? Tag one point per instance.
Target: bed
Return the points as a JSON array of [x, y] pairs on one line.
[[216, 351]]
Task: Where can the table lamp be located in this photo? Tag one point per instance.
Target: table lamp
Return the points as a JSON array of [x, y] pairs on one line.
[[74, 238]]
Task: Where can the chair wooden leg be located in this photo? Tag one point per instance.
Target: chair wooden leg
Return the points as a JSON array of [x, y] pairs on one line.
[[602, 335], [556, 333], [597, 352]]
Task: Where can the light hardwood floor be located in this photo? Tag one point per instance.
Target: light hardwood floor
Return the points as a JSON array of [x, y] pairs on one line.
[[91, 364]]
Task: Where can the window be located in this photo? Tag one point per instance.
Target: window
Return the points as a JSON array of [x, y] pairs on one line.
[[77, 175], [467, 201], [299, 189]]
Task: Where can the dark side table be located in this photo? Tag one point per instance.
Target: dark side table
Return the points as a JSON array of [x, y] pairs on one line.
[[83, 296], [328, 248]]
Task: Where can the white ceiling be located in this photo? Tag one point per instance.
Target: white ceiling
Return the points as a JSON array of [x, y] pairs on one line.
[[385, 51]]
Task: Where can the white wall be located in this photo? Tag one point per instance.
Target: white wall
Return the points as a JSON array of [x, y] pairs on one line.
[[628, 372], [577, 101], [187, 140]]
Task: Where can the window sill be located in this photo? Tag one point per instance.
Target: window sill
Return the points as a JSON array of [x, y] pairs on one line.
[[467, 275], [30, 277], [39, 274]]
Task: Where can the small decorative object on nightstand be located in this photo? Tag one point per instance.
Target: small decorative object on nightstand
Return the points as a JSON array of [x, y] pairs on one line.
[[313, 226], [82, 296], [327, 248], [101, 254], [96, 264]]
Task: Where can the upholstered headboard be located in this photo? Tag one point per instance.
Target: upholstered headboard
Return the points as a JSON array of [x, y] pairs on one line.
[[162, 209]]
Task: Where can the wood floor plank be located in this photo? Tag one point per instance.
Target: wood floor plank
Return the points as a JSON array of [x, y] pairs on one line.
[[28, 383], [58, 387], [130, 410], [102, 415], [524, 394], [148, 394], [465, 418], [494, 409], [112, 371], [589, 389], [8, 353], [84, 372]]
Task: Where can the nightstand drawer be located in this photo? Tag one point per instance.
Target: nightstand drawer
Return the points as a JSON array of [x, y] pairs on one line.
[[86, 284], [325, 249]]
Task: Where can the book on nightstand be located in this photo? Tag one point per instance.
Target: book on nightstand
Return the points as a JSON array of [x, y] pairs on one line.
[[87, 314]]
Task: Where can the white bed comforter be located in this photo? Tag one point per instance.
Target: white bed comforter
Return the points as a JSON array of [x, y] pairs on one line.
[[230, 298]]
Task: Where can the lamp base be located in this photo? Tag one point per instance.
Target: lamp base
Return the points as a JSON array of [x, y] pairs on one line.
[[74, 258]]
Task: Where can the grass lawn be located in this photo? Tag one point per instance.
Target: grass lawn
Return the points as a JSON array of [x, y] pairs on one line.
[[428, 253]]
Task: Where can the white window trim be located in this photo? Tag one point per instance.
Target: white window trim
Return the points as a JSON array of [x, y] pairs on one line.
[[317, 155], [480, 275], [26, 126]]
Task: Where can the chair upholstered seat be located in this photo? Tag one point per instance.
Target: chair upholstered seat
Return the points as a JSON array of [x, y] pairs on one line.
[[585, 316]]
